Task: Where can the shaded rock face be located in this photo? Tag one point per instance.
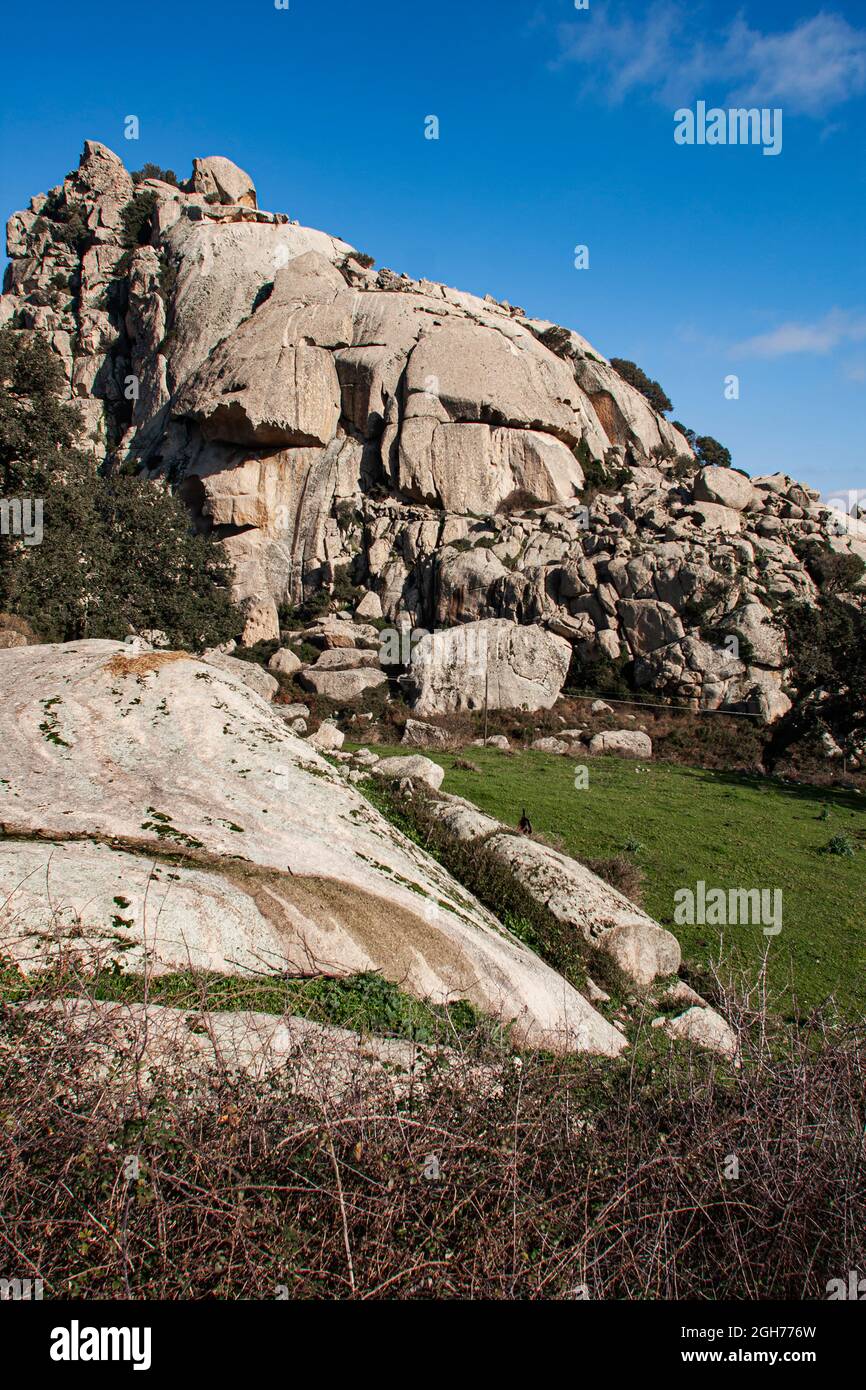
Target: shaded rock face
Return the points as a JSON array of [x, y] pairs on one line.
[[111, 766], [313, 414]]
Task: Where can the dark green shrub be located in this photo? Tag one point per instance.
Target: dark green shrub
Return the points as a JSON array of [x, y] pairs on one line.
[[649, 389], [154, 171], [117, 551], [136, 220]]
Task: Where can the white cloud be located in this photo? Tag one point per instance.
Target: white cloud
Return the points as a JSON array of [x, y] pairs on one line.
[[811, 68], [822, 336]]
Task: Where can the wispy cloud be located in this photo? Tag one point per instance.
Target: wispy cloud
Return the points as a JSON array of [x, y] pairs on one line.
[[820, 336], [811, 68]]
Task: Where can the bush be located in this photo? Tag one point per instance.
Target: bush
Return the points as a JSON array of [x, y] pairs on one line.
[[649, 389], [831, 572], [558, 1173], [154, 171], [136, 220], [827, 652], [711, 453], [840, 844], [621, 873]]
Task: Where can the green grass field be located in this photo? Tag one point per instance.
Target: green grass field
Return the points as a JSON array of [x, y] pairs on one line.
[[729, 830]]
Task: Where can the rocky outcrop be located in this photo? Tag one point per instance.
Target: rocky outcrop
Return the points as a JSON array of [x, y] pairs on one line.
[[462, 460], [155, 811]]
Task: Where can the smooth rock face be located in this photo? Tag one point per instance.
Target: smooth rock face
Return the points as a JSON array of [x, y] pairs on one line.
[[268, 383], [518, 667], [247, 671], [625, 743], [111, 762]]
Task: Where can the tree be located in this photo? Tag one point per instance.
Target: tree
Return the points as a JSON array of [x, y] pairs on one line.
[[153, 171], [710, 452], [630, 372], [117, 552], [827, 652], [136, 220]]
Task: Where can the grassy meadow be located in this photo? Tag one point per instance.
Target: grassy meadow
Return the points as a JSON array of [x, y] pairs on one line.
[[683, 824]]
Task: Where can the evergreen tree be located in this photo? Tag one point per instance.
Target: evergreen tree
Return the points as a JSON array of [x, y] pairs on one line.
[[117, 552]]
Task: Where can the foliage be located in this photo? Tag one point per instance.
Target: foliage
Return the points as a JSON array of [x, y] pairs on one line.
[[117, 552], [827, 651], [840, 844], [711, 453], [554, 1177], [136, 220], [832, 572], [154, 171], [70, 219], [708, 451], [636, 377]]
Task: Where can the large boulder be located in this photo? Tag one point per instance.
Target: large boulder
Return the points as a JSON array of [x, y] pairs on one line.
[[763, 641], [649, 624], [626, 743], [342, 685], [284, 662], [413, 765], [156, 811], [702, 1027], [418, 734], [724, 486], [216, 176], [134, 1046], [495, 660]]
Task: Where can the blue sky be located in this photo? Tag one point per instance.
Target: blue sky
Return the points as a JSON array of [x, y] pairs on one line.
[[556, 129]]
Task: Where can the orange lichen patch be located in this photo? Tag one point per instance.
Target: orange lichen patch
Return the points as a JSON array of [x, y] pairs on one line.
[[609, 416], [143, 665]]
